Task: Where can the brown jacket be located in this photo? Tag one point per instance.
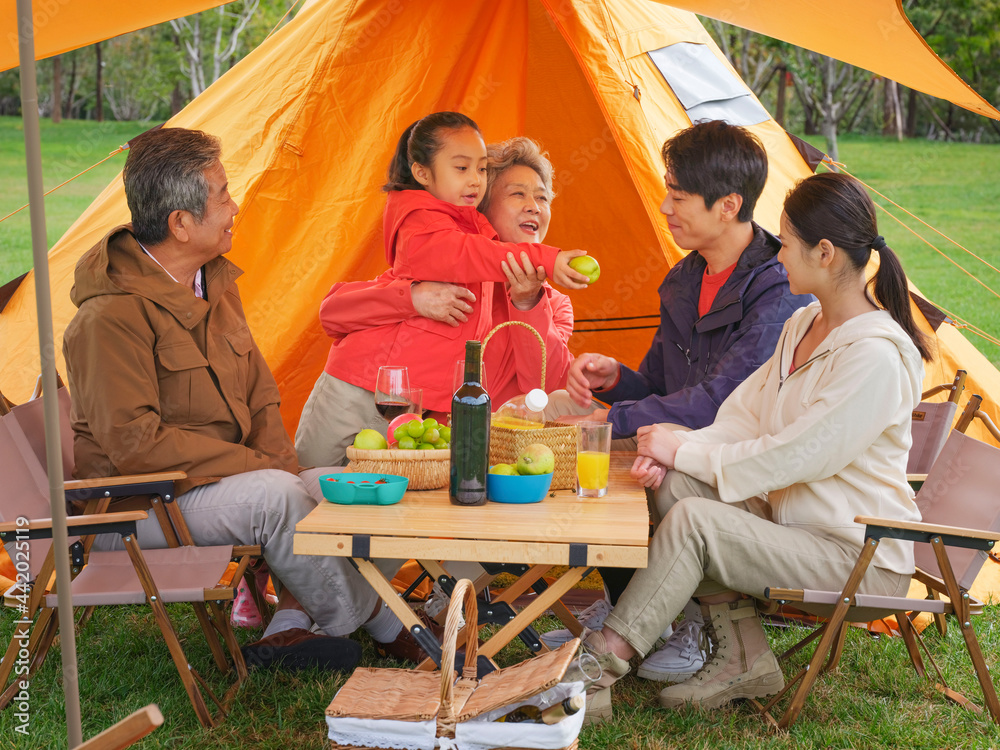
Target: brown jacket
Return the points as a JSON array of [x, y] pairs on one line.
[[162, 380]]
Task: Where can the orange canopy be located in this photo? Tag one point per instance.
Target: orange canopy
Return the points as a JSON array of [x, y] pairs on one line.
[[871, 34], [308, 122]]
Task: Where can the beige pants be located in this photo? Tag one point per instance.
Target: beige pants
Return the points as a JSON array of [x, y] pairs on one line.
[[333, 415], [704, 546]]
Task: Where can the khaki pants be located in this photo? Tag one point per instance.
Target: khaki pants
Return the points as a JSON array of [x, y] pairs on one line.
[[333, 415], [704, 546], [262, 507]]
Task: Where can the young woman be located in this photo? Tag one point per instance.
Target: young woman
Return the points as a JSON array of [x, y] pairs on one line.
[[768, 493]]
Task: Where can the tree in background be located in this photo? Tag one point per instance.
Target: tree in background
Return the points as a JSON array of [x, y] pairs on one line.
[[210, 41]]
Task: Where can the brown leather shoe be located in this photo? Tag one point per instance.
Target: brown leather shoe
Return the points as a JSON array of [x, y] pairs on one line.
[[297, 648], [405, 646]]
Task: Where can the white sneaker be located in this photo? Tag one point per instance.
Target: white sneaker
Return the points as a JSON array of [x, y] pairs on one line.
[[591, 618], [680, 657], [438, 602]]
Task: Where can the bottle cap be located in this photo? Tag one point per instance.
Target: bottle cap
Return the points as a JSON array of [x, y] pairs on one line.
[[536, 400]]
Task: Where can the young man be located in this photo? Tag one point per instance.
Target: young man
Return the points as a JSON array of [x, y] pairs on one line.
[[721, 311]]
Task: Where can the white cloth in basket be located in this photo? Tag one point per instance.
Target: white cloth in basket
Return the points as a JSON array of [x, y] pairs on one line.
[[387, 733], [485, 733]]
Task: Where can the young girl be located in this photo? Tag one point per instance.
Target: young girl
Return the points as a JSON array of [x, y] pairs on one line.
[[433, 232]]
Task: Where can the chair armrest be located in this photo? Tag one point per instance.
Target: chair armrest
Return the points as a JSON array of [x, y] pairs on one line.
[[161, 484], [165, 476], [927, 528], [75, 522]]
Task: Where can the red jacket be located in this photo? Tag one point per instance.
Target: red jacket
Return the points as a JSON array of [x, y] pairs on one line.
[[430, 240]]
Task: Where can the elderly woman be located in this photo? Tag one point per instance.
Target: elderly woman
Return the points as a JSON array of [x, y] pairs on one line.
[[518, 204]]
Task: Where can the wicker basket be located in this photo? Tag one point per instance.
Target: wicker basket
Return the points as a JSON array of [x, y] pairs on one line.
[[426, 470], [506, 444], [375, 695]]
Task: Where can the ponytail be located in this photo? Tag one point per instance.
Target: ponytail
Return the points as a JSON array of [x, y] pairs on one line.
[[418, 144], [400, 177], [836, 207], [891, 293]]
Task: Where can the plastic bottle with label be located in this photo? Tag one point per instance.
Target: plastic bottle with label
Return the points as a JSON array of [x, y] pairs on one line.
[[523, 412]]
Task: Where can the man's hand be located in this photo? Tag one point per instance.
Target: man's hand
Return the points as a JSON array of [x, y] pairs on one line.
[[565, 276], [443, 302], [598, 415], [590, 371], [524, 281], [658, 442], [648, 473]]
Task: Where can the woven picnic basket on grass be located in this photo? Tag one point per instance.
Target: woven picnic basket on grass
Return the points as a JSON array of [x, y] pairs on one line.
[[426, 470], [506, 443], [413, 710]]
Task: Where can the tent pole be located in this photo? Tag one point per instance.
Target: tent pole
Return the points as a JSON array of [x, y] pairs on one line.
[[46, 345]]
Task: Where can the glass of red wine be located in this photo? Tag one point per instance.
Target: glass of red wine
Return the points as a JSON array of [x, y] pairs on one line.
[[392, 391]]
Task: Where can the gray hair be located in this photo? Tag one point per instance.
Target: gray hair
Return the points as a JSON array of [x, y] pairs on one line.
[[516, 152], [165, 172]]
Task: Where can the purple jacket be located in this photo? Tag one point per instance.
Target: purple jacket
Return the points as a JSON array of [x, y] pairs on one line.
[[695, 363]]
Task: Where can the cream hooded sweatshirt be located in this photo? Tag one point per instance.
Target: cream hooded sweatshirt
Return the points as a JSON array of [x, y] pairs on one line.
[[827, 442]]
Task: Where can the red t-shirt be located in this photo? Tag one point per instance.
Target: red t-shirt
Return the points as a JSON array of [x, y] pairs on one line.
[[710, 286]]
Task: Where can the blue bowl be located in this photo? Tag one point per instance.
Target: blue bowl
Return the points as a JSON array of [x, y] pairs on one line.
[[358, 488], [510, 488]]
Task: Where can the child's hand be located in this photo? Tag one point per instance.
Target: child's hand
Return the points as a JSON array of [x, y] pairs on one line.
[[564, 275]]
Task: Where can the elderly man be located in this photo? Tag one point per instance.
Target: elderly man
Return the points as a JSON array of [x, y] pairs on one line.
[[165, 375]]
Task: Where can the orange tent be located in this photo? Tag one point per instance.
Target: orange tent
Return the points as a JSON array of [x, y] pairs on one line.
[[309, 119]]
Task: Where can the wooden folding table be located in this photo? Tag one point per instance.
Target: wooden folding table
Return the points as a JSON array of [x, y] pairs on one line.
[[562, 530]]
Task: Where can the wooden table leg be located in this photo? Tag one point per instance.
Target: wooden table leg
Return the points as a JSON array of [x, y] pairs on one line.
[[532, 612], [387, 593]]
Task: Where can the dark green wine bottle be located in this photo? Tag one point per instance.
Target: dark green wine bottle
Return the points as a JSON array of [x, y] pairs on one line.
[[470, 433]]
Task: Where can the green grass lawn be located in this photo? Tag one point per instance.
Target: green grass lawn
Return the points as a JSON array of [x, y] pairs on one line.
[[875, 700]]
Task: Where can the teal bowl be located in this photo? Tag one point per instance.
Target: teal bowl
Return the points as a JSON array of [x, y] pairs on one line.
[[521, 489], [358, 488]]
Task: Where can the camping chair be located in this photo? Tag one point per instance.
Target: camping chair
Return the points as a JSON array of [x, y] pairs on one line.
[[126, 732], [961, 489], [177, 574], [144, 492], [972, 411], [931, 424]]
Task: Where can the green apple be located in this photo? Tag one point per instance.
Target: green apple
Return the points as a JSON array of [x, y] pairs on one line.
[[505, 469], [536, 459], [588, 266], [370, 440]]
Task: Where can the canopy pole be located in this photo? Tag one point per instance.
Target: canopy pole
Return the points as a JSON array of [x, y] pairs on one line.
[[46, 346]]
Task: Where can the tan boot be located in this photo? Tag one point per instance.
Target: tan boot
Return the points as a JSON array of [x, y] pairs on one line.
[[741, 665]]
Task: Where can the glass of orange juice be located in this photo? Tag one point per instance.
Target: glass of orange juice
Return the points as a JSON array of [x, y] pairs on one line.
[[593, 458]]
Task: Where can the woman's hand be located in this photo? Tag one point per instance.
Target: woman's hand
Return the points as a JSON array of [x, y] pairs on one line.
[[659, 443], [565, 276], [648, 472], [524, 281], [442, 302]]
